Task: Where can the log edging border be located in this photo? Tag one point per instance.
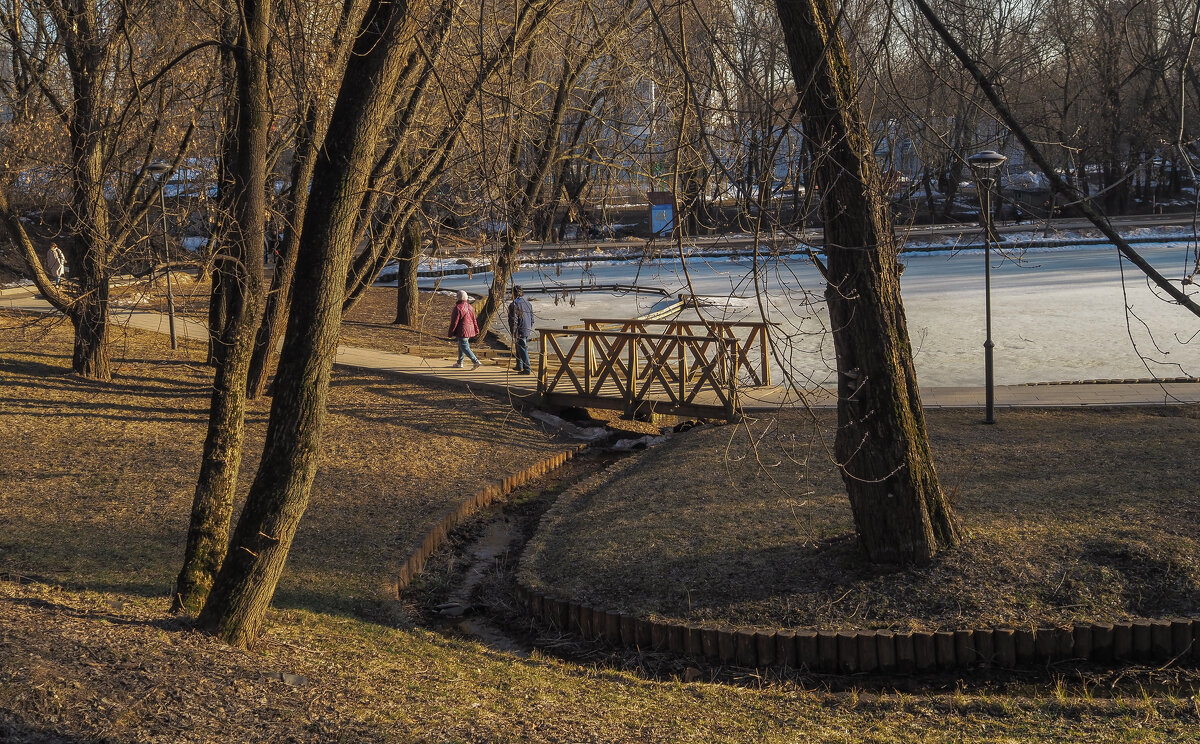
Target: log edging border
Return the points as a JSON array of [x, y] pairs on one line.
[[484, 497], [877, 651]]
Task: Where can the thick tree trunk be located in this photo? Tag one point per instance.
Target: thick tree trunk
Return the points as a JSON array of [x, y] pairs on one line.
[[237, 286], [220, 299], [408, 260], [882, 448], [279, 496], [89, 313], [89, 317]]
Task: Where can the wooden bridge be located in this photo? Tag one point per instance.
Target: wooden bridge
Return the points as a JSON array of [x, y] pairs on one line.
[[646, 367]]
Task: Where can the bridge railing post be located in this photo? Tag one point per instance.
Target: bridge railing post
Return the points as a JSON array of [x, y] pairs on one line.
[[631, 374], [683, 369], [588, 340], [541, 383], [732, 354]]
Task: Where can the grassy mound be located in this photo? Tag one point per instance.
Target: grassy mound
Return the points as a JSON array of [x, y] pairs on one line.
[[1069, 515]]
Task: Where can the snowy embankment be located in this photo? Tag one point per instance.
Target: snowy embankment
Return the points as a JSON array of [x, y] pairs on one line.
[[740, 247]]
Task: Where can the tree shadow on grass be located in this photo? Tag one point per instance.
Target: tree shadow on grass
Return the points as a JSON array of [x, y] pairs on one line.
[[15, 731], [34, 372], [170, 623], [104, 410], [832, 584], [36, 388], [472, 414], [1152, 584], [379, 610]]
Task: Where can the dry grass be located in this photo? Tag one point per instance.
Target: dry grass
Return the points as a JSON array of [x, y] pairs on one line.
[[121, 459], [118, 667], [95, 483], [1069, 514]]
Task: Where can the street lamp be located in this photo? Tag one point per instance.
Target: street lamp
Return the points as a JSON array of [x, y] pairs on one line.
[[160, 169], [984, 165]]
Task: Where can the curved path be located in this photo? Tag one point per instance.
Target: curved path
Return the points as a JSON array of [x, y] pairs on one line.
[[501, 379]]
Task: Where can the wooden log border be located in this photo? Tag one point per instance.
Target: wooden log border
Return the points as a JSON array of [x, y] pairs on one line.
[[481, 499], [1175, 640], [1172, 640]]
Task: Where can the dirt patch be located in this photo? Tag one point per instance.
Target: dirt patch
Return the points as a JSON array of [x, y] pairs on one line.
[[1081, 514]]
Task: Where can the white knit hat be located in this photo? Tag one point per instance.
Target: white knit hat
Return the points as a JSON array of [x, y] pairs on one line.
[[462, 295]]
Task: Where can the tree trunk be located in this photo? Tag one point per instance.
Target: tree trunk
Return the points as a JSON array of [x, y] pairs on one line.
[[89, 316], [279, 297], [218, 314], [502, 270], [900, 512], [279, 495], [237, 287], [408, 260], [274, 315], [89, 313]]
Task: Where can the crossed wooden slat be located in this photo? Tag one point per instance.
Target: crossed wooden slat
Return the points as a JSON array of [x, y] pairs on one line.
[[638, 364], [610, 363], [758, 370], [550, 343]]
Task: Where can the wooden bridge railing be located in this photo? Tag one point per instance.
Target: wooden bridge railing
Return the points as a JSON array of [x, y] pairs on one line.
[[757, 370], [683, 370]]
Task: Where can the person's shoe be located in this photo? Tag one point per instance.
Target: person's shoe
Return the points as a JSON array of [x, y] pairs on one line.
[[478, 364], [458, 365], [525, 372]]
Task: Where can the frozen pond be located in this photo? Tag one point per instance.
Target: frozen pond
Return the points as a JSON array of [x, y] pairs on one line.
[[1057, 314]]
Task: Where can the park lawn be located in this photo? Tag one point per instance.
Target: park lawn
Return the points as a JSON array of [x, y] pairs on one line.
[[120, 460], [1068, 514], [95, 484], [116, 666]]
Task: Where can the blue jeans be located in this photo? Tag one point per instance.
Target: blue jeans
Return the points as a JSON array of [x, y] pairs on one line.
[[464, 350], [521, 346]]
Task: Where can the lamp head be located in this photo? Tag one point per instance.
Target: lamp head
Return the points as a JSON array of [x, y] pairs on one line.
[[157, 168], [986, 160]]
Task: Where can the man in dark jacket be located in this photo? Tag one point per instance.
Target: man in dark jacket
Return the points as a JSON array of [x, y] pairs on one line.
[[520, 324]]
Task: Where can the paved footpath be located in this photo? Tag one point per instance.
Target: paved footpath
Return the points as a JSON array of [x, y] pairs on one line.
[[501, 379]]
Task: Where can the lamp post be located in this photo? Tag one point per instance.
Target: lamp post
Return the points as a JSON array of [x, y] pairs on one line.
[[159, 170], [984, 165]]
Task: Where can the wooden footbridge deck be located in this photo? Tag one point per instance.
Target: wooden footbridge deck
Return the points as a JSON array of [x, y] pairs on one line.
[[644, 367]]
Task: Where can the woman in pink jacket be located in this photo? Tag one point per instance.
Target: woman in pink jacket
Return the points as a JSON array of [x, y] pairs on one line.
[[464, 327]]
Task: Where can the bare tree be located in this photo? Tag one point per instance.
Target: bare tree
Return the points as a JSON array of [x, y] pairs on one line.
[[238, 279], [97, 90], [550, 87], [387, 37], [882, 447]]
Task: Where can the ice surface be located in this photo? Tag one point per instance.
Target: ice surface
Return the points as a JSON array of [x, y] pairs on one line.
[[1057, 313]]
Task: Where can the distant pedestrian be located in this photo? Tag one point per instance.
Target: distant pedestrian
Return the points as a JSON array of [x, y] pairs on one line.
[[464, 327], [520, 324], [56, 263]]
